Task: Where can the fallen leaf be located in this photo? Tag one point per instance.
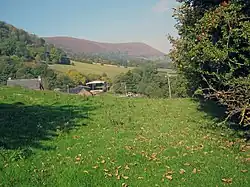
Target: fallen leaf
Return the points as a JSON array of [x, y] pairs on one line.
[[78, 158], [169, 172], [228, 181], [194, 170], [128, 147], [169, 177], [186, 164], [244, 171], [105, 170], [153, 156], [124, 185], [182, 171], [103, 161], [125, 177], [230, 144], [187, 147], [127, 167], [139, 177], [118, 177], [95, 167], [76, 137], [116, 172], [108, 174], [85, 171]]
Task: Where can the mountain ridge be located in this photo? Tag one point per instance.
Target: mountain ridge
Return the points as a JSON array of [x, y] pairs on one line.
[[79, 45]]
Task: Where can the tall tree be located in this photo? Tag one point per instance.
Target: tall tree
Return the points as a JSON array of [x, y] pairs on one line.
[[213, 51]]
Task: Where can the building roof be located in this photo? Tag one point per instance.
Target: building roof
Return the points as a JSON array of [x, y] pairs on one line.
[[78, 89], [34, 84], [96, 82]]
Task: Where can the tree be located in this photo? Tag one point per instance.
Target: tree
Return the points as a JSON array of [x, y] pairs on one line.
[[213, 52], [76, 77]]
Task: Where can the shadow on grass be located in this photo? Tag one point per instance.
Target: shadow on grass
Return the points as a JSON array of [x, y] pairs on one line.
[[212, 109], [23, 126], [218, 112]]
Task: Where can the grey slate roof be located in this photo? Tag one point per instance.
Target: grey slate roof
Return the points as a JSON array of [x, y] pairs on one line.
[[78, 89], [26, 83]]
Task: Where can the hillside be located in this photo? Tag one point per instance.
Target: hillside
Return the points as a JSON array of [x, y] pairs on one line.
[[24, 55], [52, 139], [85, 68], [110, 70], [75, 45], [23, 46]]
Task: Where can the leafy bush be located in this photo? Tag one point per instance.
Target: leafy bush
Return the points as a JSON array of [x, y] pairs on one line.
[[213, 52]]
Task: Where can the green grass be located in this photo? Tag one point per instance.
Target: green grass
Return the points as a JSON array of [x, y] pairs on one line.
[[52, 139], [110, 70], [85, 68]]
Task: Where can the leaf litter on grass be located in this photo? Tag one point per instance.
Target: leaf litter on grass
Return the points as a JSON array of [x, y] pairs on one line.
[[165, 125]]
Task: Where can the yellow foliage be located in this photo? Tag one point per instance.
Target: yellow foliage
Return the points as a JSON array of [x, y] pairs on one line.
[[76, 76]]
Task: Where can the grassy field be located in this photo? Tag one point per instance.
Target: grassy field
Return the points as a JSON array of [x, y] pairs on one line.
[[110, 70], [52, 139], [85, 68]]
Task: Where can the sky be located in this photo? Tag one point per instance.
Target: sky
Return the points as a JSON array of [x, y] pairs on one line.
[[113, 21]]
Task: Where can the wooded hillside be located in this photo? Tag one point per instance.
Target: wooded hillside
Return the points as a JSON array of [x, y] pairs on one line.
[[19, 44]]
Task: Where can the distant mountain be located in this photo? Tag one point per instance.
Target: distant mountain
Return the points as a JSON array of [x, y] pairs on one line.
[[78, 46]]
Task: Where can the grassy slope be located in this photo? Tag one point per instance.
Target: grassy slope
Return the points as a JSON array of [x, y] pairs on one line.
[[111, 71], [139, 139], [85, 68]]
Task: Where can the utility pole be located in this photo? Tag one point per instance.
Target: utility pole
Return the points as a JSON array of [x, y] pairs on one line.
[[125, 87], [67, 88], [169, 86]]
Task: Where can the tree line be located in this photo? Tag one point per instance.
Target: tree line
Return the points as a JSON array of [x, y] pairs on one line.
[[148, 81]]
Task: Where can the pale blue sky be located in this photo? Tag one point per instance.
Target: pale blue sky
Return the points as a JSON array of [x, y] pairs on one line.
[[100, 20]]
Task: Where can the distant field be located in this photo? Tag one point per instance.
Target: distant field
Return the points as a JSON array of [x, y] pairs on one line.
[[110, 70], [85, 68], [170, 71]]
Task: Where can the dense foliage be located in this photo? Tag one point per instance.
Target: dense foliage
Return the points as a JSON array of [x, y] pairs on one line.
[[213, 52], [148, 81], [19, 44]]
